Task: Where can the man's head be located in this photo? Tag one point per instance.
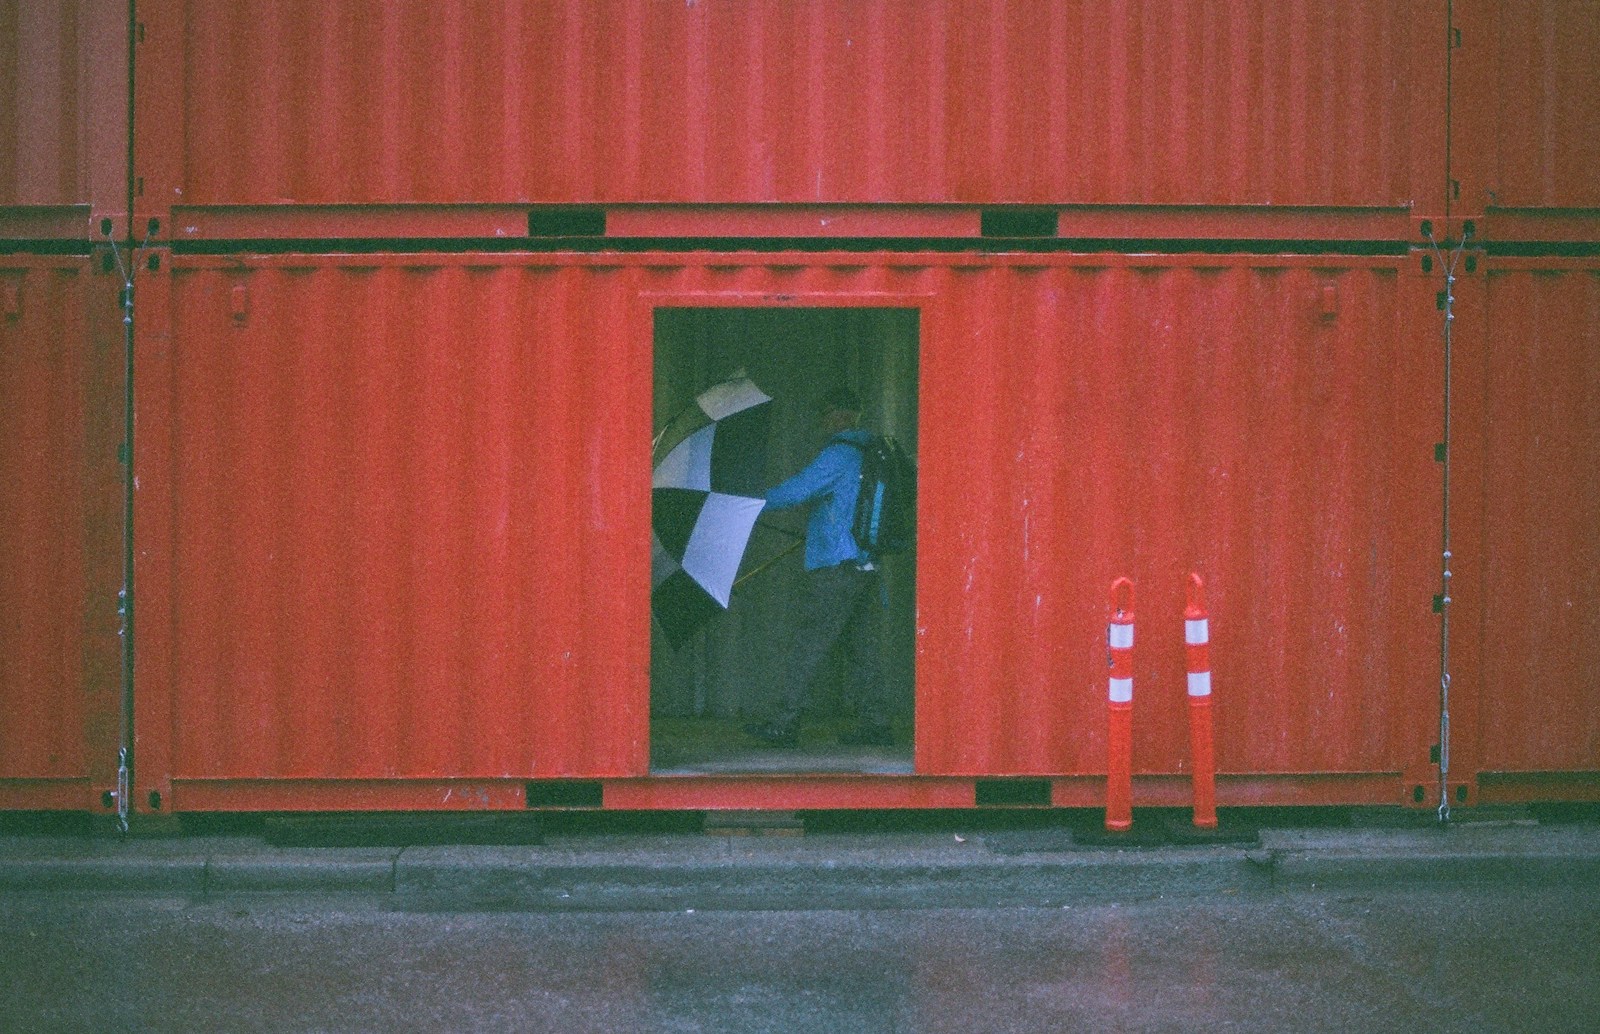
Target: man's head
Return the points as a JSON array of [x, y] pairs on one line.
[[839, 409]]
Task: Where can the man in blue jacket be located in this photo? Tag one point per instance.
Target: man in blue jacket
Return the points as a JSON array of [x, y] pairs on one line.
[[843, 601]]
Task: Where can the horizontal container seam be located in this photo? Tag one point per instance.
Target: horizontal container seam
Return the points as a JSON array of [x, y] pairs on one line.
[[1541, 249], [80, 248], [769, 245]]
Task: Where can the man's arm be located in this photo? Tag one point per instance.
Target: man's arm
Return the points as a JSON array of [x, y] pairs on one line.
[[815, 481]]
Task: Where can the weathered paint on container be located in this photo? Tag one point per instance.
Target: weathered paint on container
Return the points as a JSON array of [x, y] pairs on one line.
[[60, 532], [394, 520], [1300, 119], [63, 118]]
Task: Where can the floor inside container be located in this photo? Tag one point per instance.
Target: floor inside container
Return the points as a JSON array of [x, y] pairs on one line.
[[717, 746]]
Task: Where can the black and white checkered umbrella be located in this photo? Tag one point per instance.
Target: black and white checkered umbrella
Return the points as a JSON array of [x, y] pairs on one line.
[[707, 493]]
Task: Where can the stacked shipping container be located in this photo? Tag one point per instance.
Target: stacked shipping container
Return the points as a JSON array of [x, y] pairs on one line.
[[1525, 109], [63, 187], [63, 120], [392, 512]]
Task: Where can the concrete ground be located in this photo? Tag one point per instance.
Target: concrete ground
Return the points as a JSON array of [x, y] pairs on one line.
[[946, 860], [1502, 956], [710, 746], [1307, 920]]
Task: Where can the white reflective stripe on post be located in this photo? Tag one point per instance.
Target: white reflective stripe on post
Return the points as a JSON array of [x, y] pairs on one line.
[[1197, 632], [1121, 691], [1120, 636], [1199, 683]]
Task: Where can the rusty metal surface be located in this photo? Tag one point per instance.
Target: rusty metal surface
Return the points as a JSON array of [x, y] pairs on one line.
[[1540, 704], [63, 118], [1250, 103], [394, 510], [60, 533]]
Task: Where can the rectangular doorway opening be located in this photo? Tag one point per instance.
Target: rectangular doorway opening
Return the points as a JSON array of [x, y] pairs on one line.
[[715, 669]]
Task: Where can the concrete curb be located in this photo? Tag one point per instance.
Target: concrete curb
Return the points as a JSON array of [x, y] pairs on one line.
[[1301, 869], [110, 873], [853, 871]]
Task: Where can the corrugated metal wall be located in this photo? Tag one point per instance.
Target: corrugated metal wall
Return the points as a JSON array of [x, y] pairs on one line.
[[64, 167], [1525, 118], [889, 101], [63, 118], [392, 508], [1541, 534], [60, 540], [1549, 105], [1264, 422]]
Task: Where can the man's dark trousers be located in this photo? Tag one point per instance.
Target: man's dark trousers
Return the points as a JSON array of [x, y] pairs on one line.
[[841, 603]]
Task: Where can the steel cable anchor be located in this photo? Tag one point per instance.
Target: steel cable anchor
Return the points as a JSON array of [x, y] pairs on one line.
[[1449, 299]]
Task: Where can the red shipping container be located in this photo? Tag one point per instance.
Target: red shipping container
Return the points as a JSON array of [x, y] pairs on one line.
[[394, 522], [61, 406], [1531, 414], [1245, 119], [1525, 118], [333, 445], [63, 119]]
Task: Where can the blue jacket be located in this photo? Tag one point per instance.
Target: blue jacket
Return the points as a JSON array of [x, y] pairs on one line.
[[832, 480]]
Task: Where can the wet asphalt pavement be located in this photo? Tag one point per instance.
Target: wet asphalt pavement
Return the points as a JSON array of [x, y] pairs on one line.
[[1464, 959]]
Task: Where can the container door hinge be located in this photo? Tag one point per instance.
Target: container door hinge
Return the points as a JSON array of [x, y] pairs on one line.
[[1433, 754], [1438, 604], [1438, 452]]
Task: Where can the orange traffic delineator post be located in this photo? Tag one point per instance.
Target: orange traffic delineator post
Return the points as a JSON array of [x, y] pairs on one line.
[[1197, 646], [1119, 709]]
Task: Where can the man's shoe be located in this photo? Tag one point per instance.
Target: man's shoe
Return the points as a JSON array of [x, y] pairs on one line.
[[773, 734], [868, 736]]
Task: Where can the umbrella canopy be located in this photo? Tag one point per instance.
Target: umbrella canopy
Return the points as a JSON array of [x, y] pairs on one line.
[[706, 495]]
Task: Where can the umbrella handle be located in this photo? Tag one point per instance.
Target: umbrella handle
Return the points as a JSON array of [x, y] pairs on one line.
[[781, 531], [751, 574]]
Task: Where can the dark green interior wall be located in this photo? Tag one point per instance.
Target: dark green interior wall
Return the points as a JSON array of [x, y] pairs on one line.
[[793, 354]]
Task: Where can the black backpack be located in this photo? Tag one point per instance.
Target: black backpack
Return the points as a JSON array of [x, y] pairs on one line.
[[886, 506]]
